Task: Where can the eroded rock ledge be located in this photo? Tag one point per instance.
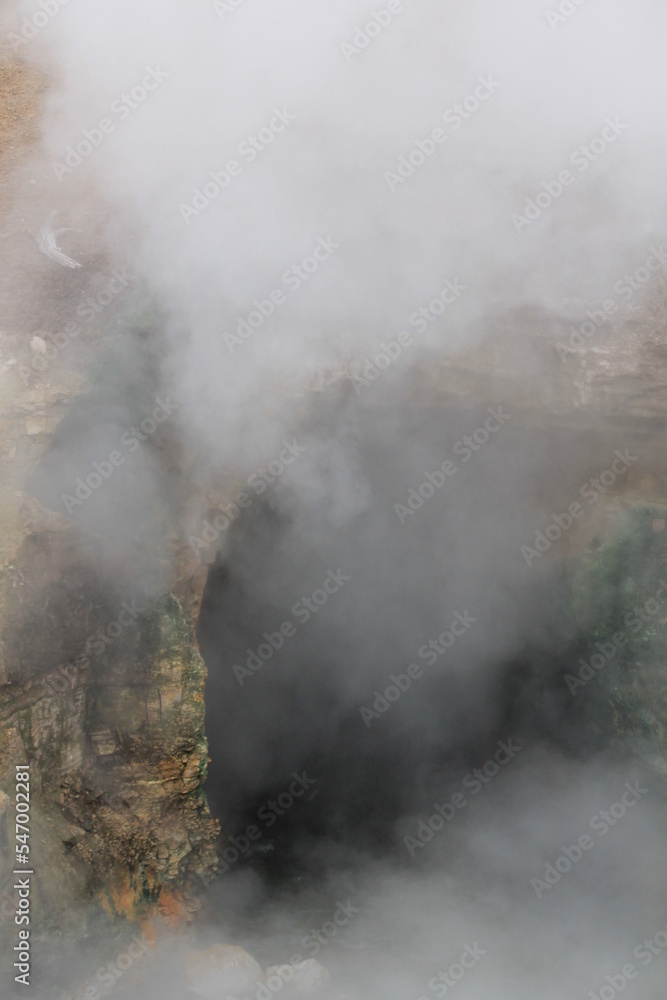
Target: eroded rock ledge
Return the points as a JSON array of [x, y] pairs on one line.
[[104, 695]]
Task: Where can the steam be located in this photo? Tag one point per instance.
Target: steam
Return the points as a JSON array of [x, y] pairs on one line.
[[300, 189], [547, 91]]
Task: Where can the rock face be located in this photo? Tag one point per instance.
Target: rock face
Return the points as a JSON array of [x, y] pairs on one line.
[[225, 971], [619, 596], [103, 696], [101, 683]]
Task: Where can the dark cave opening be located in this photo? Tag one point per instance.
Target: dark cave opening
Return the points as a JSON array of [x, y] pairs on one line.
[[345, 685]]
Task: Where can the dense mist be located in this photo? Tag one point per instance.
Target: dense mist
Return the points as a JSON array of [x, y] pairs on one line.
[[315, 209]]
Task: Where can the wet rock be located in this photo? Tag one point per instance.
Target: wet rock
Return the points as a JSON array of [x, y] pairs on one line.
[[104, 741], [619, 601], [72, 834], [303, 978], [222, 971]]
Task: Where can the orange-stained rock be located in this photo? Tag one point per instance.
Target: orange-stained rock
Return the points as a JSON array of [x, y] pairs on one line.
[[175, 909], [149, 931]]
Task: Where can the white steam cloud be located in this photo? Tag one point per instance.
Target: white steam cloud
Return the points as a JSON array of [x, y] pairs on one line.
[[298, 183], [360, 94]]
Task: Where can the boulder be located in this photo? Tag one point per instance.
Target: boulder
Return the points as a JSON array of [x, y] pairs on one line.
[[222, 971], [303, 978]]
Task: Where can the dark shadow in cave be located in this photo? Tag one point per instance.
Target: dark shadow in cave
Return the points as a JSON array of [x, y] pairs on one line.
[[459, 553]]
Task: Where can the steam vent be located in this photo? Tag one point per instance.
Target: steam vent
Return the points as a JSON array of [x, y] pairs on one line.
[[333, 500]]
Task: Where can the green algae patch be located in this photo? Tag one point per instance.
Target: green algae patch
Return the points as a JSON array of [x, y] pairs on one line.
[[619, 598]]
